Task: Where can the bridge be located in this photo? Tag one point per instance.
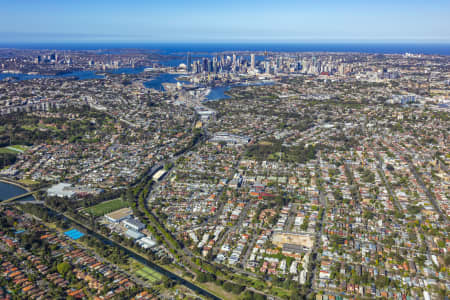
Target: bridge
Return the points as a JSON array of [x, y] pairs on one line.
[[18, 197]]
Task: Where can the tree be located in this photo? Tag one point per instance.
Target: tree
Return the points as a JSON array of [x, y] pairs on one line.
[[63, 268], [201, 277]]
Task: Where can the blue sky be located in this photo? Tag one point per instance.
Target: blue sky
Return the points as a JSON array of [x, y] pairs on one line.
[[224, 21]]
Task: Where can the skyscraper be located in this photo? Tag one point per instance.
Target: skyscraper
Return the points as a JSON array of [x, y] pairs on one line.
[[252, 61], [189, 62]]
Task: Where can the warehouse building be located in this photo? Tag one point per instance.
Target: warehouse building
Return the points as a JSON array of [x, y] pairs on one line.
[[146, 242], [159, 174], [133, 224], [119, 215], [135, 235]]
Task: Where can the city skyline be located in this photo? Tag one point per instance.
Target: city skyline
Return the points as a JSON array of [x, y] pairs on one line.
[[238, 150], [205, 21]]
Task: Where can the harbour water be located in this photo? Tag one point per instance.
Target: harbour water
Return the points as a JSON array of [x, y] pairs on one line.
[[442, 48], [157, 82], [218, 92], [81, 75], [8, 190]]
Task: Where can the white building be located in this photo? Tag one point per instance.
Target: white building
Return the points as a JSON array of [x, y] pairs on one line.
[[293, 268], [146, 242], [61, 190], [133, 224]]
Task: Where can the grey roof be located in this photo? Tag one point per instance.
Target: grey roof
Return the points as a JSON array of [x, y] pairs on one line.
[[133, 234]]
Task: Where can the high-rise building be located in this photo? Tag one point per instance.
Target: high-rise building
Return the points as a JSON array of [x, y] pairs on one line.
[[214, 64], [205, 65], [267, 67], [189, 62], [210, 66], [252, 61]]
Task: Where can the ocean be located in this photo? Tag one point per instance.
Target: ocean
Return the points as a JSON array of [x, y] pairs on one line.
[[179, 48]]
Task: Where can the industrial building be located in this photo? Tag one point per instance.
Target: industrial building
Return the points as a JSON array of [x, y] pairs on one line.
[[229, 138], [133, 224], [146, 242], [119, 215], [159, 174], [61, 190], [135, 235]]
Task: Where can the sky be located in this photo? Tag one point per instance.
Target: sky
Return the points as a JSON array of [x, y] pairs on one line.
[[25, 21]]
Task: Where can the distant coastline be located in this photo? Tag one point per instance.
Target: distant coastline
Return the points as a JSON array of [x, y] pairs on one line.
[[174, 48]]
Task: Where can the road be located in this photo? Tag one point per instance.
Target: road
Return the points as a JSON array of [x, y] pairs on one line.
[[430, 195], [140, 258], [291, 218], [249, 249], [319, 233], [386, 183]]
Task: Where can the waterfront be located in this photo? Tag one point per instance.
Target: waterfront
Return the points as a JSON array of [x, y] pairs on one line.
[[219, 92], [157, 82], [440, 48], [81, 75], [8, 191]]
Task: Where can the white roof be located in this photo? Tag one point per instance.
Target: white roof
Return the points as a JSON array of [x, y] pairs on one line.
[[60, 190]]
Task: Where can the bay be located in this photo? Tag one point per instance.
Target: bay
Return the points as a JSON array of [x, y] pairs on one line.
[[8, 191]]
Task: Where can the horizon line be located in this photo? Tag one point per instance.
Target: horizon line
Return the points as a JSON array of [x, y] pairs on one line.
[[337, 41]]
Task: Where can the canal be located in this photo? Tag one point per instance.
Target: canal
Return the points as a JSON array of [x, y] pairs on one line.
[[139, 258]]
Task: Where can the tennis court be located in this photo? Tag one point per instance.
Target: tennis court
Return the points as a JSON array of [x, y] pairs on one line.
[[74, 234]]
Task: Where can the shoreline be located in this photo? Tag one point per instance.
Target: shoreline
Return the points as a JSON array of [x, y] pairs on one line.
[[15, 183]]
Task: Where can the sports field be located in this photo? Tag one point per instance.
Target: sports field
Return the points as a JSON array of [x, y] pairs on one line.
[[143, 271], [107, 207], [148, 274], [13, 149]]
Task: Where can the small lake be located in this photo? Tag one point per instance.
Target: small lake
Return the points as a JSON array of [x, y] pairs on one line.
[[9, 190]]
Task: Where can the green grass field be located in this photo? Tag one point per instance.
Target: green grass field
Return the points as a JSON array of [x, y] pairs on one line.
[[17, 148], [143, 271], [107, 207], [13, 149], [29, 127], [6, 150], [148, 274]]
